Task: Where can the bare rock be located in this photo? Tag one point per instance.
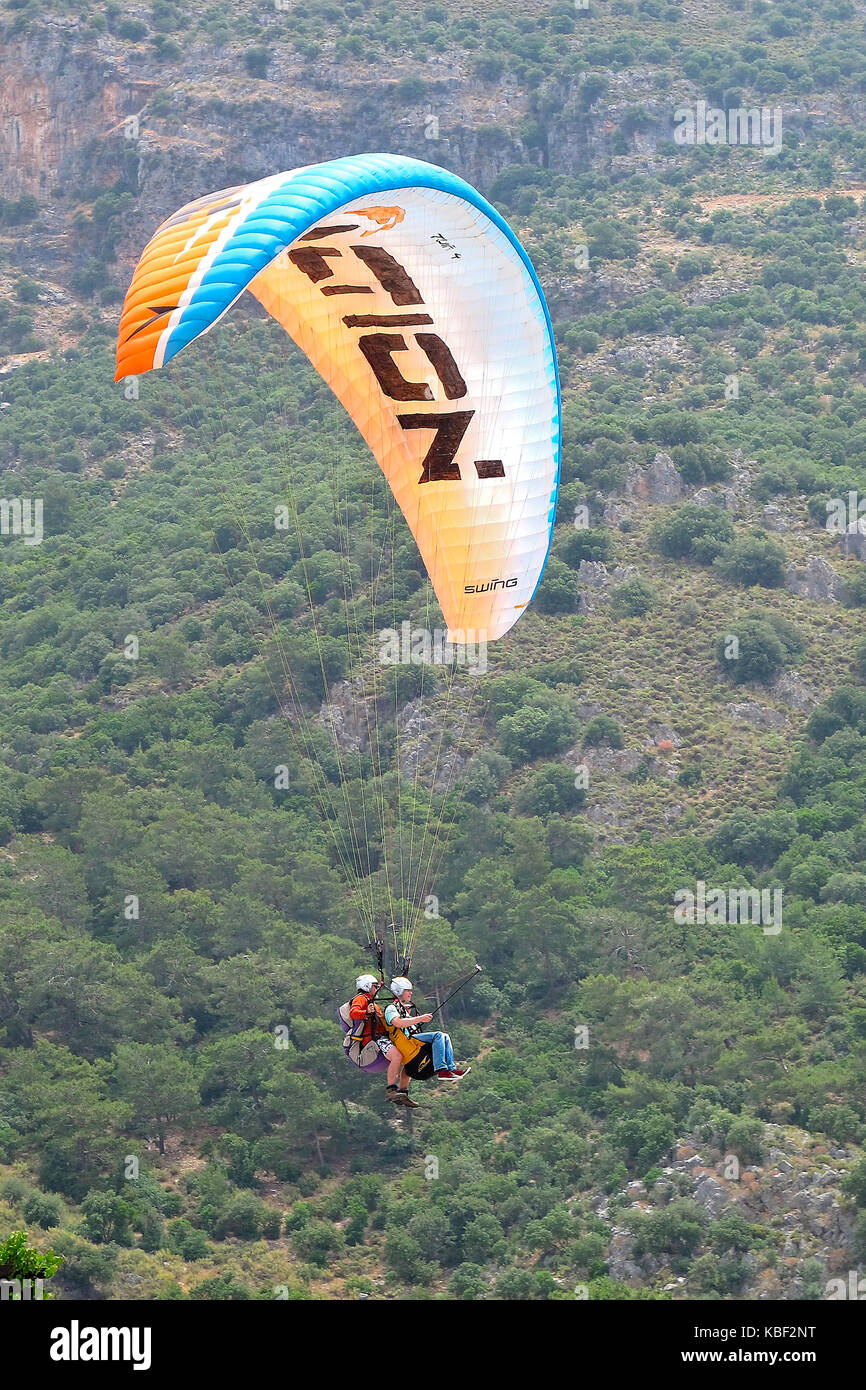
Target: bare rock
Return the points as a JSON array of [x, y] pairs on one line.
[[600, 759], [616, 511], [854, 540], [792, 690], [588, 709], [593, 574], [422, 748], [712, 1195], [621, 1263], [817, 580], [773, 518], [663, 733], [347, 717], [595, 578], [759, 716], [659, 482], [607, 813]]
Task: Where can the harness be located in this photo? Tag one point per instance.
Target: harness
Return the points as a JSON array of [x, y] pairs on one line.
[[359, 1042], [368, 1028], [407, 1046], [417, 1056], [406, 1011]]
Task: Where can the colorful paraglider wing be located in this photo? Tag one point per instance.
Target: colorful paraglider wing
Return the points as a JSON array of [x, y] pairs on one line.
[[418, 306]]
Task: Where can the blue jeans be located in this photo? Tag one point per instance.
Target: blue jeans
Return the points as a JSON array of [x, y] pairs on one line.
[[443, 1056]]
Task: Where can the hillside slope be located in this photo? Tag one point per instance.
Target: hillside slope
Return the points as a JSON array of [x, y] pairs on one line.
[[660, 1105]]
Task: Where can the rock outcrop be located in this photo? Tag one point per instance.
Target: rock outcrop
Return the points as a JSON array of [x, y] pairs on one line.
[[816, 580]]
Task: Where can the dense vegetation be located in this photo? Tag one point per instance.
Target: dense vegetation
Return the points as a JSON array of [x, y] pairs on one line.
[[176, 924]]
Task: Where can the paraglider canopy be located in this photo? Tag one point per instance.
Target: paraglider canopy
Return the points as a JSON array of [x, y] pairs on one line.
[[417, 304]]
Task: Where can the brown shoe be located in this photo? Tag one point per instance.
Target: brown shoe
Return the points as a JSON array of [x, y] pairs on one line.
[[403, 1098]]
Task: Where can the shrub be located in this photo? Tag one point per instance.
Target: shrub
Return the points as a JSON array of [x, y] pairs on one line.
[[675, 1230], [106, 1219], [43, 1209], [411, 89], [602, 729], [19, 1261], [644, 1136], [245, 1217], [675, 427], [488, 67], [854, 1183], [691, 266], [482, 1238], [786, 631], [855, 590], [545, 726], [756, 654], [753, 841], [403, 1256], [187, 1241], [551, 790], [753, 560], [316, 1241], [515, 1286], [698, 463], [221, 1289], [634, 598], [693, 532], [746, 1139], [132, 29], [256, 61], [586, 543], [559, 591], [467, 1282]]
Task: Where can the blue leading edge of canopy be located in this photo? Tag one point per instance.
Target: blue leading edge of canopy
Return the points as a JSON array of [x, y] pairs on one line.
[[302, 200]]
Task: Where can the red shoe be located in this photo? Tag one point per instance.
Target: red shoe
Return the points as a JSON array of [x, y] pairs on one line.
[[447, 1076], [461, 1071]]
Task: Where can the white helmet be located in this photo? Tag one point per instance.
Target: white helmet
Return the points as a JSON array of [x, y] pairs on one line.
[[400, 985], [365, 982]]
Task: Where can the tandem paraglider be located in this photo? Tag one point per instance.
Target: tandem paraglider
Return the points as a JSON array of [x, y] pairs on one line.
[[394, 1037], [418, 306]]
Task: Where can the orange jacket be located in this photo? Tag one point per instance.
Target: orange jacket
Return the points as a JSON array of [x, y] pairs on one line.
[[373, 1024]]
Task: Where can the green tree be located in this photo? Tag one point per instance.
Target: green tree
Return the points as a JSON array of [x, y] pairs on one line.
[[693, 532], [634, 598], [159, 1085], [754, 654], [753, 560], [106, 1219], [19, 1261]]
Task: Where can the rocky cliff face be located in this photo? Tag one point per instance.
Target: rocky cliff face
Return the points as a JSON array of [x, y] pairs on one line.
[[81, 111], [62, 108], [793, 1196], [78, 114]]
